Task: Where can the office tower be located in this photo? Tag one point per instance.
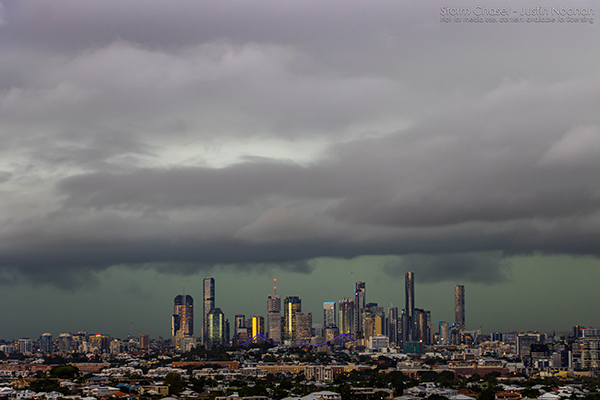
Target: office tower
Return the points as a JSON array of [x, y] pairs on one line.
[[422, 331], [373, 320], [329, 315], [359, 307], [525, 340], [392, 328], [144, 341], [292, 305], [409, 292], [303, 328], [346, 319], [209, 304], [274, 317], [444, 333], [459, 306], [404, 326], [258, 326], [215, 322], [183, 316], [46, 343], [331, 332]]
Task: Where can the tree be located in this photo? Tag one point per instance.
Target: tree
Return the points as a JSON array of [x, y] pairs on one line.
[[64, 372], [396, 380], [174, 382], [286, 384]]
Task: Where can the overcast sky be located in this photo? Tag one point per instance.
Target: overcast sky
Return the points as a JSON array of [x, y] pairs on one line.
[[148, 144]]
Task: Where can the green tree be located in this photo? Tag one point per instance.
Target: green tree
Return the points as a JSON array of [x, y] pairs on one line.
[[174, 382], [64, 372]]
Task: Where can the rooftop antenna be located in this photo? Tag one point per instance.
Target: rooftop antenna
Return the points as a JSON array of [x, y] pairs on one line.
[[274, 285], [184, 289]]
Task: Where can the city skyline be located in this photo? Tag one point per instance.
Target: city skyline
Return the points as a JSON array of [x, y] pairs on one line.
[[254, 305], [321, 143]]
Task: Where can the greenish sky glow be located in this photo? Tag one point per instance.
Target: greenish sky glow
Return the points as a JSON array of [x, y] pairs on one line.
[[538, 296]]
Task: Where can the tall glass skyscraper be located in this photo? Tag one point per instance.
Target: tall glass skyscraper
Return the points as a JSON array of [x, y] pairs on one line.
[[209, 304], [183, 315], [409, 292], [360, 292], [459, 306], [216, 334], [346, 320], [292, 305]]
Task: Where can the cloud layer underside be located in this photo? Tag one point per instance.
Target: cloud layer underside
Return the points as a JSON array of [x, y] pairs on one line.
[[294, 131], [488, 268]]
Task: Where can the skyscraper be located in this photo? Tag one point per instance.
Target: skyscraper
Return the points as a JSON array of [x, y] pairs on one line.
[[422, 330], [258, 325], [216, 328], [303, 328], [292, 305], [409, 291], [274, 317], [209, 304], [459, 306], [360, 291], [392, 327], [346, 320], [240, 330], [183, 317], [329, 315]]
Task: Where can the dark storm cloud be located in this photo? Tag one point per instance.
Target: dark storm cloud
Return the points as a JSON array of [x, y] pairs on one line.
[[188, 135], [488, 268]]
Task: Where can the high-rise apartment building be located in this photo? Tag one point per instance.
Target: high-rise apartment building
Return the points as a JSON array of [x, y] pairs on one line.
[[292, 305], [409, 292], [46, 343], [459, 306], [25, 346], [216, 333], [144, 341], [329, 314], [274, 317], [209, 304], [346, 319], [64, 343], [360, 292]]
